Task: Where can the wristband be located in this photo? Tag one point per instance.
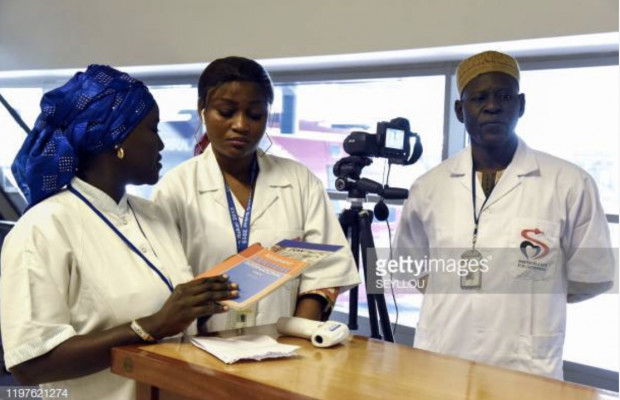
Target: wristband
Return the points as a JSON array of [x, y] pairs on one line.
[[141, 333]]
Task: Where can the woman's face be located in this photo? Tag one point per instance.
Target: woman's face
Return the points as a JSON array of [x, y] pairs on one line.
[[142, 148], [236, 118]]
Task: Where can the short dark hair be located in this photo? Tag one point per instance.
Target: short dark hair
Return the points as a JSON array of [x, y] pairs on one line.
[[231, 69]]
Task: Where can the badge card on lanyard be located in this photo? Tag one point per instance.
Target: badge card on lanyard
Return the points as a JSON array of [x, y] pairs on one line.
[[472, 257], [238, 319]]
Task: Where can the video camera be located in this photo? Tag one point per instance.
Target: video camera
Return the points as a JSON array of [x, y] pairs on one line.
[[392, 141]]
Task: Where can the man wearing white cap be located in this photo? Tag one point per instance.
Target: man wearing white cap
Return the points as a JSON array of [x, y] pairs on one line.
[[526, 230]]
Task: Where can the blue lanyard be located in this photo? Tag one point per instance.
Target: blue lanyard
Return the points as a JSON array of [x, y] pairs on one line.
[[242, 230], [127, 242]]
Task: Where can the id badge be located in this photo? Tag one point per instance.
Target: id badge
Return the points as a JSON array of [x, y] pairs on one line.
[[473, 279], [239, 319]]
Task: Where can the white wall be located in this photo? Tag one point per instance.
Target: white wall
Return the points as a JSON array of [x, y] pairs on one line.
[[46, 34]]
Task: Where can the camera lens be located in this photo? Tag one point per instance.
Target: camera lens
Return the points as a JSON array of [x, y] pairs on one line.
[[340, 184]]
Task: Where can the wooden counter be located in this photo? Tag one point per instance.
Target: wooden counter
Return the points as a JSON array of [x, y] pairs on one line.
[[362, 368]]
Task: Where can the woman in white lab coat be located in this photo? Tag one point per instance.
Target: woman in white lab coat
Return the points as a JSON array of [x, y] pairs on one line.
[[233, 195], [88, 267]]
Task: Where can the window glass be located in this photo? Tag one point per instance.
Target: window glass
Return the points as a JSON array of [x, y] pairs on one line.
[[310, 122], [572, 113], [593, 327], [178, 127]]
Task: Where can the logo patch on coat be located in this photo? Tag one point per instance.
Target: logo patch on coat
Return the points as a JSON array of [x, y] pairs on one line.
[[532, 248], [534, 263]]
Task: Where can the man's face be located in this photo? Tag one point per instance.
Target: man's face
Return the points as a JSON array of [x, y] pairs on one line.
[[490, 107]]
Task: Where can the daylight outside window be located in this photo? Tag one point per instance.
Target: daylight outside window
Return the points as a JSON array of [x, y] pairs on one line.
[[573, 113]]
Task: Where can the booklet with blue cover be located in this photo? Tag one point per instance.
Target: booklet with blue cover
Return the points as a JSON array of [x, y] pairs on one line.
[[259, 271]]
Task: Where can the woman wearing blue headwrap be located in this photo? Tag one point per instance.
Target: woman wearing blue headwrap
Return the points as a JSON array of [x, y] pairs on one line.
[[89, 267]]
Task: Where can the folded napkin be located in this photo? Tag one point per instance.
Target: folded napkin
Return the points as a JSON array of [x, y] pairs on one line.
[[247, 347]]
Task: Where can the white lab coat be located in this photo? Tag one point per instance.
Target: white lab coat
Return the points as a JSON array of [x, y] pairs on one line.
[[66, 273], [289, 202], [518, 318]]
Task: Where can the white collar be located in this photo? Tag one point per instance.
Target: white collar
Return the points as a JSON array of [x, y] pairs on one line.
[[210, 178], [101, 200], [523, 162]]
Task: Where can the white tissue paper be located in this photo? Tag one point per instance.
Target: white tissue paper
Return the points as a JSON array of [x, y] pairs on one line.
[[247, 347]]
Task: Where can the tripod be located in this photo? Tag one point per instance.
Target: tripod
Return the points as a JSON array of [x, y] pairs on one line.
[[355, 223]]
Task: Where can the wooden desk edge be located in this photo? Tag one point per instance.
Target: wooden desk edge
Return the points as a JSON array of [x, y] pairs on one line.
[[190, 380], [194, 380]]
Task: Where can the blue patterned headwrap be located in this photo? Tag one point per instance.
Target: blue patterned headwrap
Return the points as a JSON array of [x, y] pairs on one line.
[[90, 114]]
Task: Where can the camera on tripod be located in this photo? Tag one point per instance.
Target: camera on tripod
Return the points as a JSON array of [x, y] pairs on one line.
[[391, 141]]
